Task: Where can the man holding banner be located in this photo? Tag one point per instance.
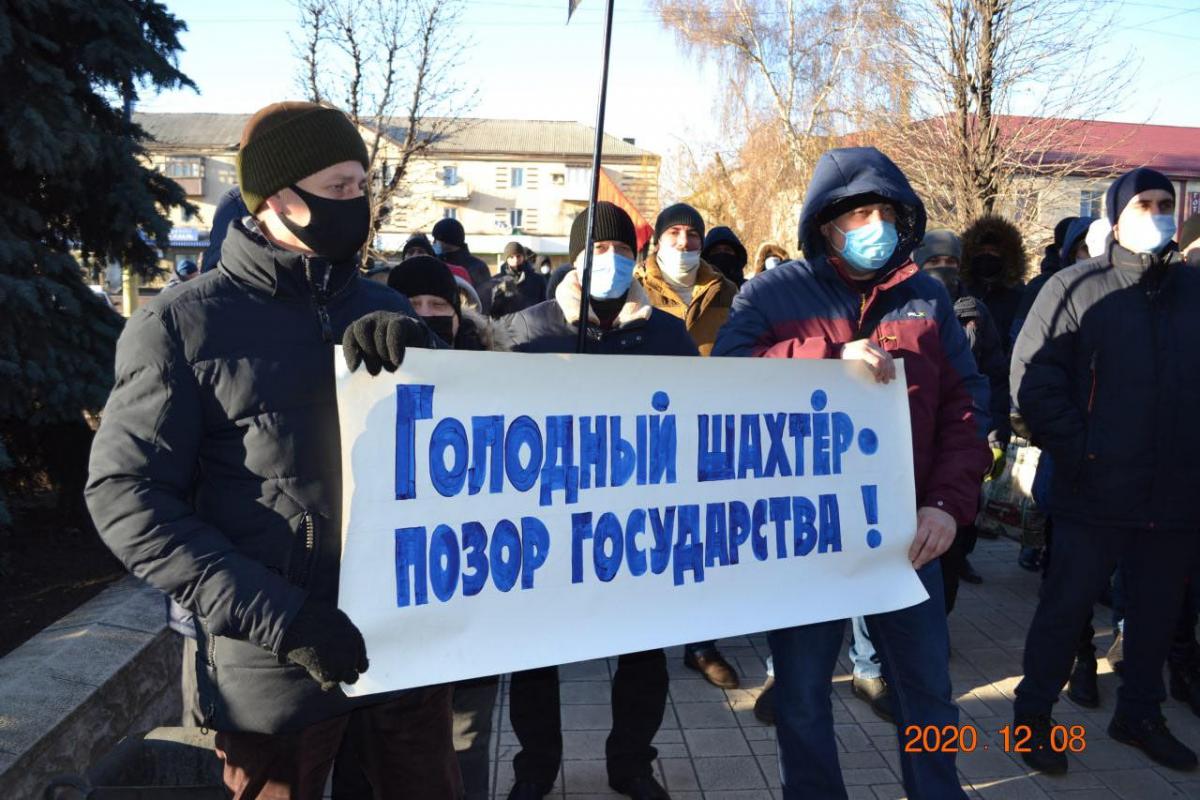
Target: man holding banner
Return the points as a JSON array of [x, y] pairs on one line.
[[859, 296], [215, 474]]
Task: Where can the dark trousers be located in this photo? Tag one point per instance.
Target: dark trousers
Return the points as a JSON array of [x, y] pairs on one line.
[[474, 702], [639, 700], [954, 561], [1084, 649], [914, 648], [1155, 567], [403, 746]]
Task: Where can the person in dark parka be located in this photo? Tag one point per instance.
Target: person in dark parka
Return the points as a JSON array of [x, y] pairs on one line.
[[939, 255], [1068, 247], [1105, 379], [993, 268], [517, 286], [215, 473], [229, 208], [725, 251], [623, 322], [450, 245]]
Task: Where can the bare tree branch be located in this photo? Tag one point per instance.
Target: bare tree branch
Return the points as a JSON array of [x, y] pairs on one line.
[[392, 62]]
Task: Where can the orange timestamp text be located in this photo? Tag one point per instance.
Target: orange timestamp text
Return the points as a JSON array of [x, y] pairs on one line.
[[1012, 739]]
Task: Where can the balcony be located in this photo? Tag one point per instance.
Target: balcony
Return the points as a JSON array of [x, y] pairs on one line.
[[460, 192], [192, 187]]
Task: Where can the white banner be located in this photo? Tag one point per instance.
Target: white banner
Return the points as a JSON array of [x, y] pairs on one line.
[[504, 511]]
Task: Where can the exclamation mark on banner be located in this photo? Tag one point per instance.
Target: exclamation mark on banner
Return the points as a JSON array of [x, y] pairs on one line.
[[870, 497]]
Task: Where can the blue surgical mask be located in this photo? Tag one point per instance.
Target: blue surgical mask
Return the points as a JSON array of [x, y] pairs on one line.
[[1147, 234], [612, 273], [870, 247], [437, 248]]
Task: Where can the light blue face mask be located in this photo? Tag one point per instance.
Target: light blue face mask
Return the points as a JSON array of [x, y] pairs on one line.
[[1147, 234], [870, 247], [612, 274], [437, 249]]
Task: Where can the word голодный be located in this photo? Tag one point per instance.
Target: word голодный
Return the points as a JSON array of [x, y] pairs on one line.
[[687, 539]]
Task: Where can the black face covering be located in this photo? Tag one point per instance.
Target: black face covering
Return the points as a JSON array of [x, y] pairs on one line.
[[987, 266], [948, 277], [336, 229], [443, 326], [729, 264]]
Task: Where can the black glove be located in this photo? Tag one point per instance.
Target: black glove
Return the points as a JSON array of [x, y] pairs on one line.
[[378, 340], [325, 642]]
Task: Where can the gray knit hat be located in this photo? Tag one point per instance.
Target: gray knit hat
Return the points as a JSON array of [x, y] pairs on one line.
[[939, 242]]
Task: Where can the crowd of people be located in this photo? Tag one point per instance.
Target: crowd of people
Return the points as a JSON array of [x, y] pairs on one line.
[[214, 474]]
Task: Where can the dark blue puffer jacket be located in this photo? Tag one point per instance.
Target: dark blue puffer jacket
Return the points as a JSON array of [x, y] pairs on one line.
[[809, 309], [215, 475], [1107, 380]]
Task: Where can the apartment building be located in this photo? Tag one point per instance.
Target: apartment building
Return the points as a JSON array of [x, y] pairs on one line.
[[502, 179]]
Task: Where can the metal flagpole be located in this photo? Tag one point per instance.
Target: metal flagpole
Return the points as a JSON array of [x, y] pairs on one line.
[[586, 280]]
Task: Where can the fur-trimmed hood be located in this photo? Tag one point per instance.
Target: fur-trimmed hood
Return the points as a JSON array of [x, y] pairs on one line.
[[765, 251], [995, 230]]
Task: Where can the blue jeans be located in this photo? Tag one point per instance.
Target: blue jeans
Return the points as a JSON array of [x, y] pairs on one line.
[[914, 646]]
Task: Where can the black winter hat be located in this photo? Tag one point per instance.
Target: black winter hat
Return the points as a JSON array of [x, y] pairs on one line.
[[678, 214], [513, 249], [1131, 183], [724, 235], [612, 224], [417, 240], [286, 142], [425, 275], [1189, 232], [450, 231], [1060, 231]]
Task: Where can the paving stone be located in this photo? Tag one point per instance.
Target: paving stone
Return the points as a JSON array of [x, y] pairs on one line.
[[716, 742], [584, 671], [586, 717], [679, 774], [705, 715], [573, 693], [698, 691], [719, 774], [1144, 784]]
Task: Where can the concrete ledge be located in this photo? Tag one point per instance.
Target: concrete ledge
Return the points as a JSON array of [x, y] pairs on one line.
[[108, 669]]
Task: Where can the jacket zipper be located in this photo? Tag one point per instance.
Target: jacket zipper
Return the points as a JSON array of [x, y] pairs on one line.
[[321, 294], [310, 544], [1092, 395], [210, 648]]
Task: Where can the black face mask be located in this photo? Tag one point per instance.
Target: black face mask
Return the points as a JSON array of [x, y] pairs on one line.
[[728, 263], [443, 326], [987, 266], [336, 229], [948, 277]]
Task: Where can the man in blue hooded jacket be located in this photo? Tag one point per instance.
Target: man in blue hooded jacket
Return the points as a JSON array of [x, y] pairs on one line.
[[859, 296]]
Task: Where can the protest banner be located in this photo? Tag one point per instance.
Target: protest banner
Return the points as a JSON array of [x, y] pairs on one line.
[[504, 511]]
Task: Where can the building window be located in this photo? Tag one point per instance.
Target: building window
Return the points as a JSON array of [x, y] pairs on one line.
[[579, 177], [449, 176], [449, 213], [1090, 202], [190, 167], [515, 217], [517, 179]]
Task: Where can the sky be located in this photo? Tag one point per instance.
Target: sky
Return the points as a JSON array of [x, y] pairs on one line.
[[527, 63]]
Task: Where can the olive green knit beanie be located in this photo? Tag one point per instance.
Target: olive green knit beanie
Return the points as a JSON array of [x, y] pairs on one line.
[[286, 142]]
